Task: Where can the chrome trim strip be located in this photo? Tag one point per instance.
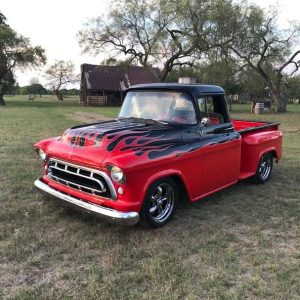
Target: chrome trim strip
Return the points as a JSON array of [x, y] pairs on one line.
[[108, 214], [101, 173]]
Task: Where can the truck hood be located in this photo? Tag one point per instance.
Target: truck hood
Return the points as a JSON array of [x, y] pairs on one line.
[[115, 138], [125, 143], [96, 135]]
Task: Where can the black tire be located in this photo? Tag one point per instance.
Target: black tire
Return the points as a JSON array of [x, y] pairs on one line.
[[264, 168], [160, 203]]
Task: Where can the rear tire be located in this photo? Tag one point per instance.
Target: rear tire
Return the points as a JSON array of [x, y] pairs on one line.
[[160, 203], [264, 168]]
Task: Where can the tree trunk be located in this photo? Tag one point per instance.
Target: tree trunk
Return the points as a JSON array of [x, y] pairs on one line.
[[278, 100], [229, 102], [2, 102], [58, 95], [164, 73]]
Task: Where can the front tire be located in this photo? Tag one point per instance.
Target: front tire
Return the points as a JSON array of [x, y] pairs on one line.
[[160, 203], [264, 168]]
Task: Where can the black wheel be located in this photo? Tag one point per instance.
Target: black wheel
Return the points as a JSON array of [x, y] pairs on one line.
[[160, 203], [264, 168]]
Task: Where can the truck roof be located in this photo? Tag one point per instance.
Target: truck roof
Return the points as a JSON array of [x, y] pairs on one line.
[[195, 88]]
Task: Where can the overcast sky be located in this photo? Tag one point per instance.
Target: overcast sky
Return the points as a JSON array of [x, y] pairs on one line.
[[54, 25]]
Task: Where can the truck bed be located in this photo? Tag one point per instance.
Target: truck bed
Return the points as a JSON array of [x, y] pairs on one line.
[[243, 126], [257, 137]]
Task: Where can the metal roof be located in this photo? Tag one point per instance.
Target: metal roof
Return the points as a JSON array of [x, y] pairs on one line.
[[116, 78]]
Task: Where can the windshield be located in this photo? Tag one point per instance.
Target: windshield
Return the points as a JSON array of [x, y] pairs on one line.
[[165, 106]]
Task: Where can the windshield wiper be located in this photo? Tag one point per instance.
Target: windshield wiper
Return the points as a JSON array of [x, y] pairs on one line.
[[141, 120]]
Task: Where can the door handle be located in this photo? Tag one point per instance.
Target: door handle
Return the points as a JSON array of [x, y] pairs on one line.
[[229, 129]]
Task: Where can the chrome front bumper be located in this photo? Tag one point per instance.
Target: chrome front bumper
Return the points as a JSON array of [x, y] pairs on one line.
[[107, 214]]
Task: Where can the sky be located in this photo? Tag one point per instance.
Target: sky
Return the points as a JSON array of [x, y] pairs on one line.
[[54, 25]]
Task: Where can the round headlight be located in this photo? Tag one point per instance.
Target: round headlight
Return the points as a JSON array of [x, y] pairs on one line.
[[42, 154], [117, 174]]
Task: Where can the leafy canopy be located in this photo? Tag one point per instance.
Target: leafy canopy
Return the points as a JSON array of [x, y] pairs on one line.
[[15, 52]]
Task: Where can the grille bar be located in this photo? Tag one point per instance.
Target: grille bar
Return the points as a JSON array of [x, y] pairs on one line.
[[72, 184], [90, 181], [103, 189]]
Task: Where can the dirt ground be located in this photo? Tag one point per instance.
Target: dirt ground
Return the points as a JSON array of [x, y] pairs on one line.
[[87, 117]]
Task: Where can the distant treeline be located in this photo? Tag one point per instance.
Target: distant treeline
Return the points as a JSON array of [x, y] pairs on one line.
[[37, 89]]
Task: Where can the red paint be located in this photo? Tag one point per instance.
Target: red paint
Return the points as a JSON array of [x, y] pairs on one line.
[[240, 124], [256, 143]]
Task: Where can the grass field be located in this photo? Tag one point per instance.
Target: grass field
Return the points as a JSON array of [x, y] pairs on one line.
[[241, 243]]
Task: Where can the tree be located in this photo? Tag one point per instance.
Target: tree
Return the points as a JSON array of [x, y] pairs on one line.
[[12, 89], [15, 52], [259, 44], [112, 61], [73, 92], [36, 89], [251, 84], [60, 74], [132, 28], [153, 32], [293, 88], [173, 34]]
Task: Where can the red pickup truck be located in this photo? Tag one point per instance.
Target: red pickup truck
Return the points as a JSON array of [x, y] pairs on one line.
[[168, 139]]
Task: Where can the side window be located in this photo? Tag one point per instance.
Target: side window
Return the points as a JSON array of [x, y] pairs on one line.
[[210, 107]]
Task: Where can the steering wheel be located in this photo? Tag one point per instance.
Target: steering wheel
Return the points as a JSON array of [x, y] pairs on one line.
[[216, 118]]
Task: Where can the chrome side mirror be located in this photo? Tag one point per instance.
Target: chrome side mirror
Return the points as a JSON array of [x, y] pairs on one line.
[[204, 122]]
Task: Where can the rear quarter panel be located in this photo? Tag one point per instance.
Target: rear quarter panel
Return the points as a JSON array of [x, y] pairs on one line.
[[255, 144]]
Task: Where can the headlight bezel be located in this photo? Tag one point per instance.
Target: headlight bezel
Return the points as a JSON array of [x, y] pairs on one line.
[[41, 153], [116, 174]]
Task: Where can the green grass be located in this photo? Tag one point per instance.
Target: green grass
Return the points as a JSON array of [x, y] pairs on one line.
[[240, 243]]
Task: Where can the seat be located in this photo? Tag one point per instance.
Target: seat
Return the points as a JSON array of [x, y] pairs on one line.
[[215, 118]]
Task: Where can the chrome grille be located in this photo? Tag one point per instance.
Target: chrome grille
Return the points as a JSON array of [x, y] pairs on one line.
[[84, 179]]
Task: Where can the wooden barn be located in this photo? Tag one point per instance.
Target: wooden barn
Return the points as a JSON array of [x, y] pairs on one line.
[[105, 85]]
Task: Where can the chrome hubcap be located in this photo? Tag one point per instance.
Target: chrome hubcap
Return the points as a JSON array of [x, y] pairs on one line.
[[162, 202], [265, 166]]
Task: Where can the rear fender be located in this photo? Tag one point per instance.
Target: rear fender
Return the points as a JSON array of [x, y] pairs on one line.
[[256, 144], [270, 149]]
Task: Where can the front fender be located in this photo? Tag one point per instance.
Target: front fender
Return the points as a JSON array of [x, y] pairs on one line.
[[44, 144], [163, 174]]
